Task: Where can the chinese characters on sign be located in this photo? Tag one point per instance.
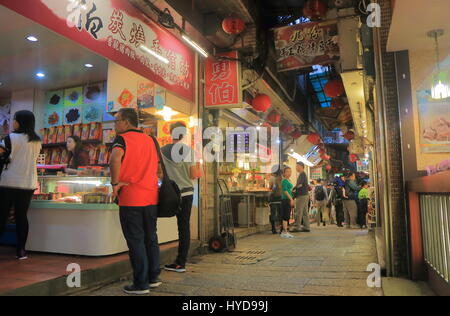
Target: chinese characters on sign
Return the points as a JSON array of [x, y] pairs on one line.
[[222, 81], [304, 45]]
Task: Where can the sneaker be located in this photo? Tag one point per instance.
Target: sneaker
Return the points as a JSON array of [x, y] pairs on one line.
[[131, 289], [290, 236], [175, 268], [22, 255], [284, 235], [155, 283]]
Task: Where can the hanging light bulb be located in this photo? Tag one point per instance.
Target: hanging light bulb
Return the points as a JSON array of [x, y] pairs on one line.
[[440, 89]]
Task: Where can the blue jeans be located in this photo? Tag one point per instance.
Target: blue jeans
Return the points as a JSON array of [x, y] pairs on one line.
[[139, 229]]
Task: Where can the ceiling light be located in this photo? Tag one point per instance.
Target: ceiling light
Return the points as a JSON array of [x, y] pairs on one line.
[[88, 65], [167, 113], [32, 38], [196, 46], [154, 54], [40, 75], [440, 88]]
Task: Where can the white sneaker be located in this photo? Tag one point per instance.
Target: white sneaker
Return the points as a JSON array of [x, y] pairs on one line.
[[289, 235], [284, 235]]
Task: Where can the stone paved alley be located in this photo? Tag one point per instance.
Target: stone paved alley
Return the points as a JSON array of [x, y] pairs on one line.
[[327, 261]]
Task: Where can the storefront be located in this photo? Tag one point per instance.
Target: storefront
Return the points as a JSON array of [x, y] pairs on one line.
[[103, 57]]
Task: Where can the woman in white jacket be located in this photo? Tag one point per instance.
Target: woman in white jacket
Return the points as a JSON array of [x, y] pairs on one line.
[[19, 178]]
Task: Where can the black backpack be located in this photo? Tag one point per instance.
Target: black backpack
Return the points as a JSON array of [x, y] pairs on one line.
[[4, 159], [169, 204], [319, 193]]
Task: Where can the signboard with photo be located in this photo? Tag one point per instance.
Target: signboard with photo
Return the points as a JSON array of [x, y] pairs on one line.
[[307, 44], [145, 94], [434, 117]]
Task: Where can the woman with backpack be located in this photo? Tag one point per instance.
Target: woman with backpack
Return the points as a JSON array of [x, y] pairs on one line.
[[19, 178]]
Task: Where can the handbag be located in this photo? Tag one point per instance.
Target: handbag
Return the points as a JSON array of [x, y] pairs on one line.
[[169, 204]]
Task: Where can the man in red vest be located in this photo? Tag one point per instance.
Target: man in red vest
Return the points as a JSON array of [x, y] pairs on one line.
[[134, 168]]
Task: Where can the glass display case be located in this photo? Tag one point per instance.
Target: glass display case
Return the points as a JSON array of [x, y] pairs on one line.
[[73, 190]]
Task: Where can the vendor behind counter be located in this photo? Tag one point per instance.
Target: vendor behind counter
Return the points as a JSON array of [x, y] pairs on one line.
[[77, 155]]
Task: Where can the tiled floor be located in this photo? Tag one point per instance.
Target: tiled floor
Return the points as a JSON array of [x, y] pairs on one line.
[[40, 267]]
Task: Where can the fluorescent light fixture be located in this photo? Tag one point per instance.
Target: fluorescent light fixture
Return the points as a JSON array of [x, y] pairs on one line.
[[196, 46], [154, 54], [167, 113], [32, 38], [40, 75], [96, 183], [301, 158], [88, 65]]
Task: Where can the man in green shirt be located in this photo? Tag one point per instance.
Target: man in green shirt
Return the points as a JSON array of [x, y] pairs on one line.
[[363, 197], [287, 201]]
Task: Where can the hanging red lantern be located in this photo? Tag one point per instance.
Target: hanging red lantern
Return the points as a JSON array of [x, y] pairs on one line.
[[353, 158], [296, 134], [325, 157], [334, 88], [286, 128], [261, 103], [233, 25], [315, 9], [314, 138], [328, 167], [349, 136], [322, 151], [337, 104], [274, 117]]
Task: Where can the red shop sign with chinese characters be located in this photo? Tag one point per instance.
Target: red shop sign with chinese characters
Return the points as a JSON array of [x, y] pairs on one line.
[[222, 81], [118, 31]]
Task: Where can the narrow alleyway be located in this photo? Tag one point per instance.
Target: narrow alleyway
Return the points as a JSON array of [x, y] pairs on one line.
[[327, 261]]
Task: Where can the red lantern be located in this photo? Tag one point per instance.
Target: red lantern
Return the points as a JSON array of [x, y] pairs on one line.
[[334, 88], [286, 128], [349, 136], [325, 157], [353, 158], [261, 103], [328, 167], [314, 138], [296, 134], [337, 104], [274, 117], [233, 25], [322, 151], [315, 9]]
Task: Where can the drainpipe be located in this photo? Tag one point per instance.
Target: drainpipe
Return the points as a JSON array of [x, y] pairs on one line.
[[383, 146]]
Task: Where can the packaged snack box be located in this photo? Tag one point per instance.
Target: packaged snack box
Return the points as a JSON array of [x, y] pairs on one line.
[[60, 134], [68, 131], [93, 154], [95, 132], [102, 155], [85, 132], [65, 157], [77, 130], [52, 135], [44, 134], [56, 156]]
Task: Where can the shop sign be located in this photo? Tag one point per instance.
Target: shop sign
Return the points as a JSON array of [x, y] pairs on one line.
[[117, 30], [222, 81], [305, 45]]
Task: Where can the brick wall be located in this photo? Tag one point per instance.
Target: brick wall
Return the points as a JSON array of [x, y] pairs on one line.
[[397, 209]]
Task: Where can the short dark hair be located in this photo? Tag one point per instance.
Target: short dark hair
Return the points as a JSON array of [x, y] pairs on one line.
[[285, 169], [176, 125], [130, 115], [301, 164]]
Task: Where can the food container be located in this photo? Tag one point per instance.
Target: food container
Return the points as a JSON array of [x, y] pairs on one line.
[[60, 134], [85, 132], [77, 130]]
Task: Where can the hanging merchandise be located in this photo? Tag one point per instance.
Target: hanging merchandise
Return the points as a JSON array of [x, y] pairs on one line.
[[261, 103], [334, 88], [353, 158], [315, 9], [286, 128], [296, 134], [349, 136], [274, 117], [233, 25], [325, 157], [328, 167], [314, 138]]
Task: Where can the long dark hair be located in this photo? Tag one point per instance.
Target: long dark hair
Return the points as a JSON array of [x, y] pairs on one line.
[[75, 155], [27, 124]]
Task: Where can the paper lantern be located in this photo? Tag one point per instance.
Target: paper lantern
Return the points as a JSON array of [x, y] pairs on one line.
[[233, 25], [349, 136], [296, 134], [315, 9], [325, 157], [322, 151], [328, 167], [353, 158], [314, 138], [286, 128], [334, 88], [274, 117], [261, 103]]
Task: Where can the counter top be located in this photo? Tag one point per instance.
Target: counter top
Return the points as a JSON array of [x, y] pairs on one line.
[[73, 206]]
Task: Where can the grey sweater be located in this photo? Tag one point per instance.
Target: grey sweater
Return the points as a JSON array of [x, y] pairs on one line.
[[178, 165]]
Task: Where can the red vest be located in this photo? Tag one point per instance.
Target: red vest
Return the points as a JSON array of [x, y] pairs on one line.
[[140, 170]]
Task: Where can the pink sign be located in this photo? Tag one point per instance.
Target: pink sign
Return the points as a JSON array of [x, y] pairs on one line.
[[118, 31]]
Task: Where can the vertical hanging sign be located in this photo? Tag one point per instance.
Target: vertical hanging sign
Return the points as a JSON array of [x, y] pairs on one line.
[[222, 81]]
